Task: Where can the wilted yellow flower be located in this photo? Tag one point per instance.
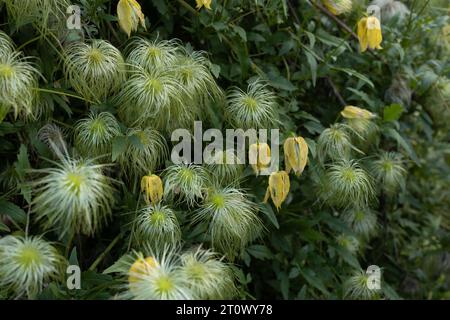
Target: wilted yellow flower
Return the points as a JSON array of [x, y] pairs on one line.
[[203, 3], [369, 33], [130, 14], [140, 266], [153, 187], [295, 154], [352, 112], [259, 156], [278, 190], [338, 7]]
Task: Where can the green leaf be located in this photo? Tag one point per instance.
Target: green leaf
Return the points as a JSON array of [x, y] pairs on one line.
[[405, 144], [354, 73], [392, 112], [12, 211], [4, 227], [313, 66], [311, 277], [119, 146], [241, 32], [259, 252], [268, 211]]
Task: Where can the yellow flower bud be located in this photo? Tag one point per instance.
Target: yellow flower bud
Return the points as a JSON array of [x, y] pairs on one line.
[[139, 267], [259, 157], [369, 33], [130, 14], [153, 187], [295, 154], [203, 3], [351, 112], [278, 190]]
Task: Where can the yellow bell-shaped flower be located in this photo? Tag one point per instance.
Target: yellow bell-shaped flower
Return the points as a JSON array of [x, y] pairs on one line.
[[352, 112], [295, 154], [203, 3], [139, 267], [278, 190], [259, 157], [369, 33], [152, 186], [130, 15]]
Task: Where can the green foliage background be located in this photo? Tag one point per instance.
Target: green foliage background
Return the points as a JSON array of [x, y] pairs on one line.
[[315, 67]]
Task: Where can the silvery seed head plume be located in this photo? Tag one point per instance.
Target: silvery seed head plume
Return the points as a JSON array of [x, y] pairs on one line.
[[335, 143], [232, 220], [251, 109], [186, 182], [208, 275], [152, 55], [18, 81], [362, 221], [75, 196], [94, 69], [156, 227], [156, 277], [155, 98], [346, 183], [389, 171], [27, 264], [94, 134], [145, 154]]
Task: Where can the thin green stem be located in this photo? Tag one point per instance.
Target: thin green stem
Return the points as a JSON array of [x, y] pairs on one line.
[[64, 94], [105, 252]]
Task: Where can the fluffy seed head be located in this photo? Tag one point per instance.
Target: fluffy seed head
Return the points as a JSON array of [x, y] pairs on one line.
[[94, 134], [146, 151], [389, 171], [186, 181], [348, 242], [158, 277], [74, 197], [154, 98], [348, 184], [232, 219], [224, 167], [6, 44], [357, 286], [18, 80], [251, 109], [208, 276], [95, 69], [334, 143], [157, 226], [362, 221], [152, 55], [26, 264], [391, 9]]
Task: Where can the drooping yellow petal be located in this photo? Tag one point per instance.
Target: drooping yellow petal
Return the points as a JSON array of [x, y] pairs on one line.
[[203, 3], [374, 36], [352, 112], [152, 186], [362, 34], [140, 267], [130, 14], [278, 189], [259, 156], [295, 154]]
